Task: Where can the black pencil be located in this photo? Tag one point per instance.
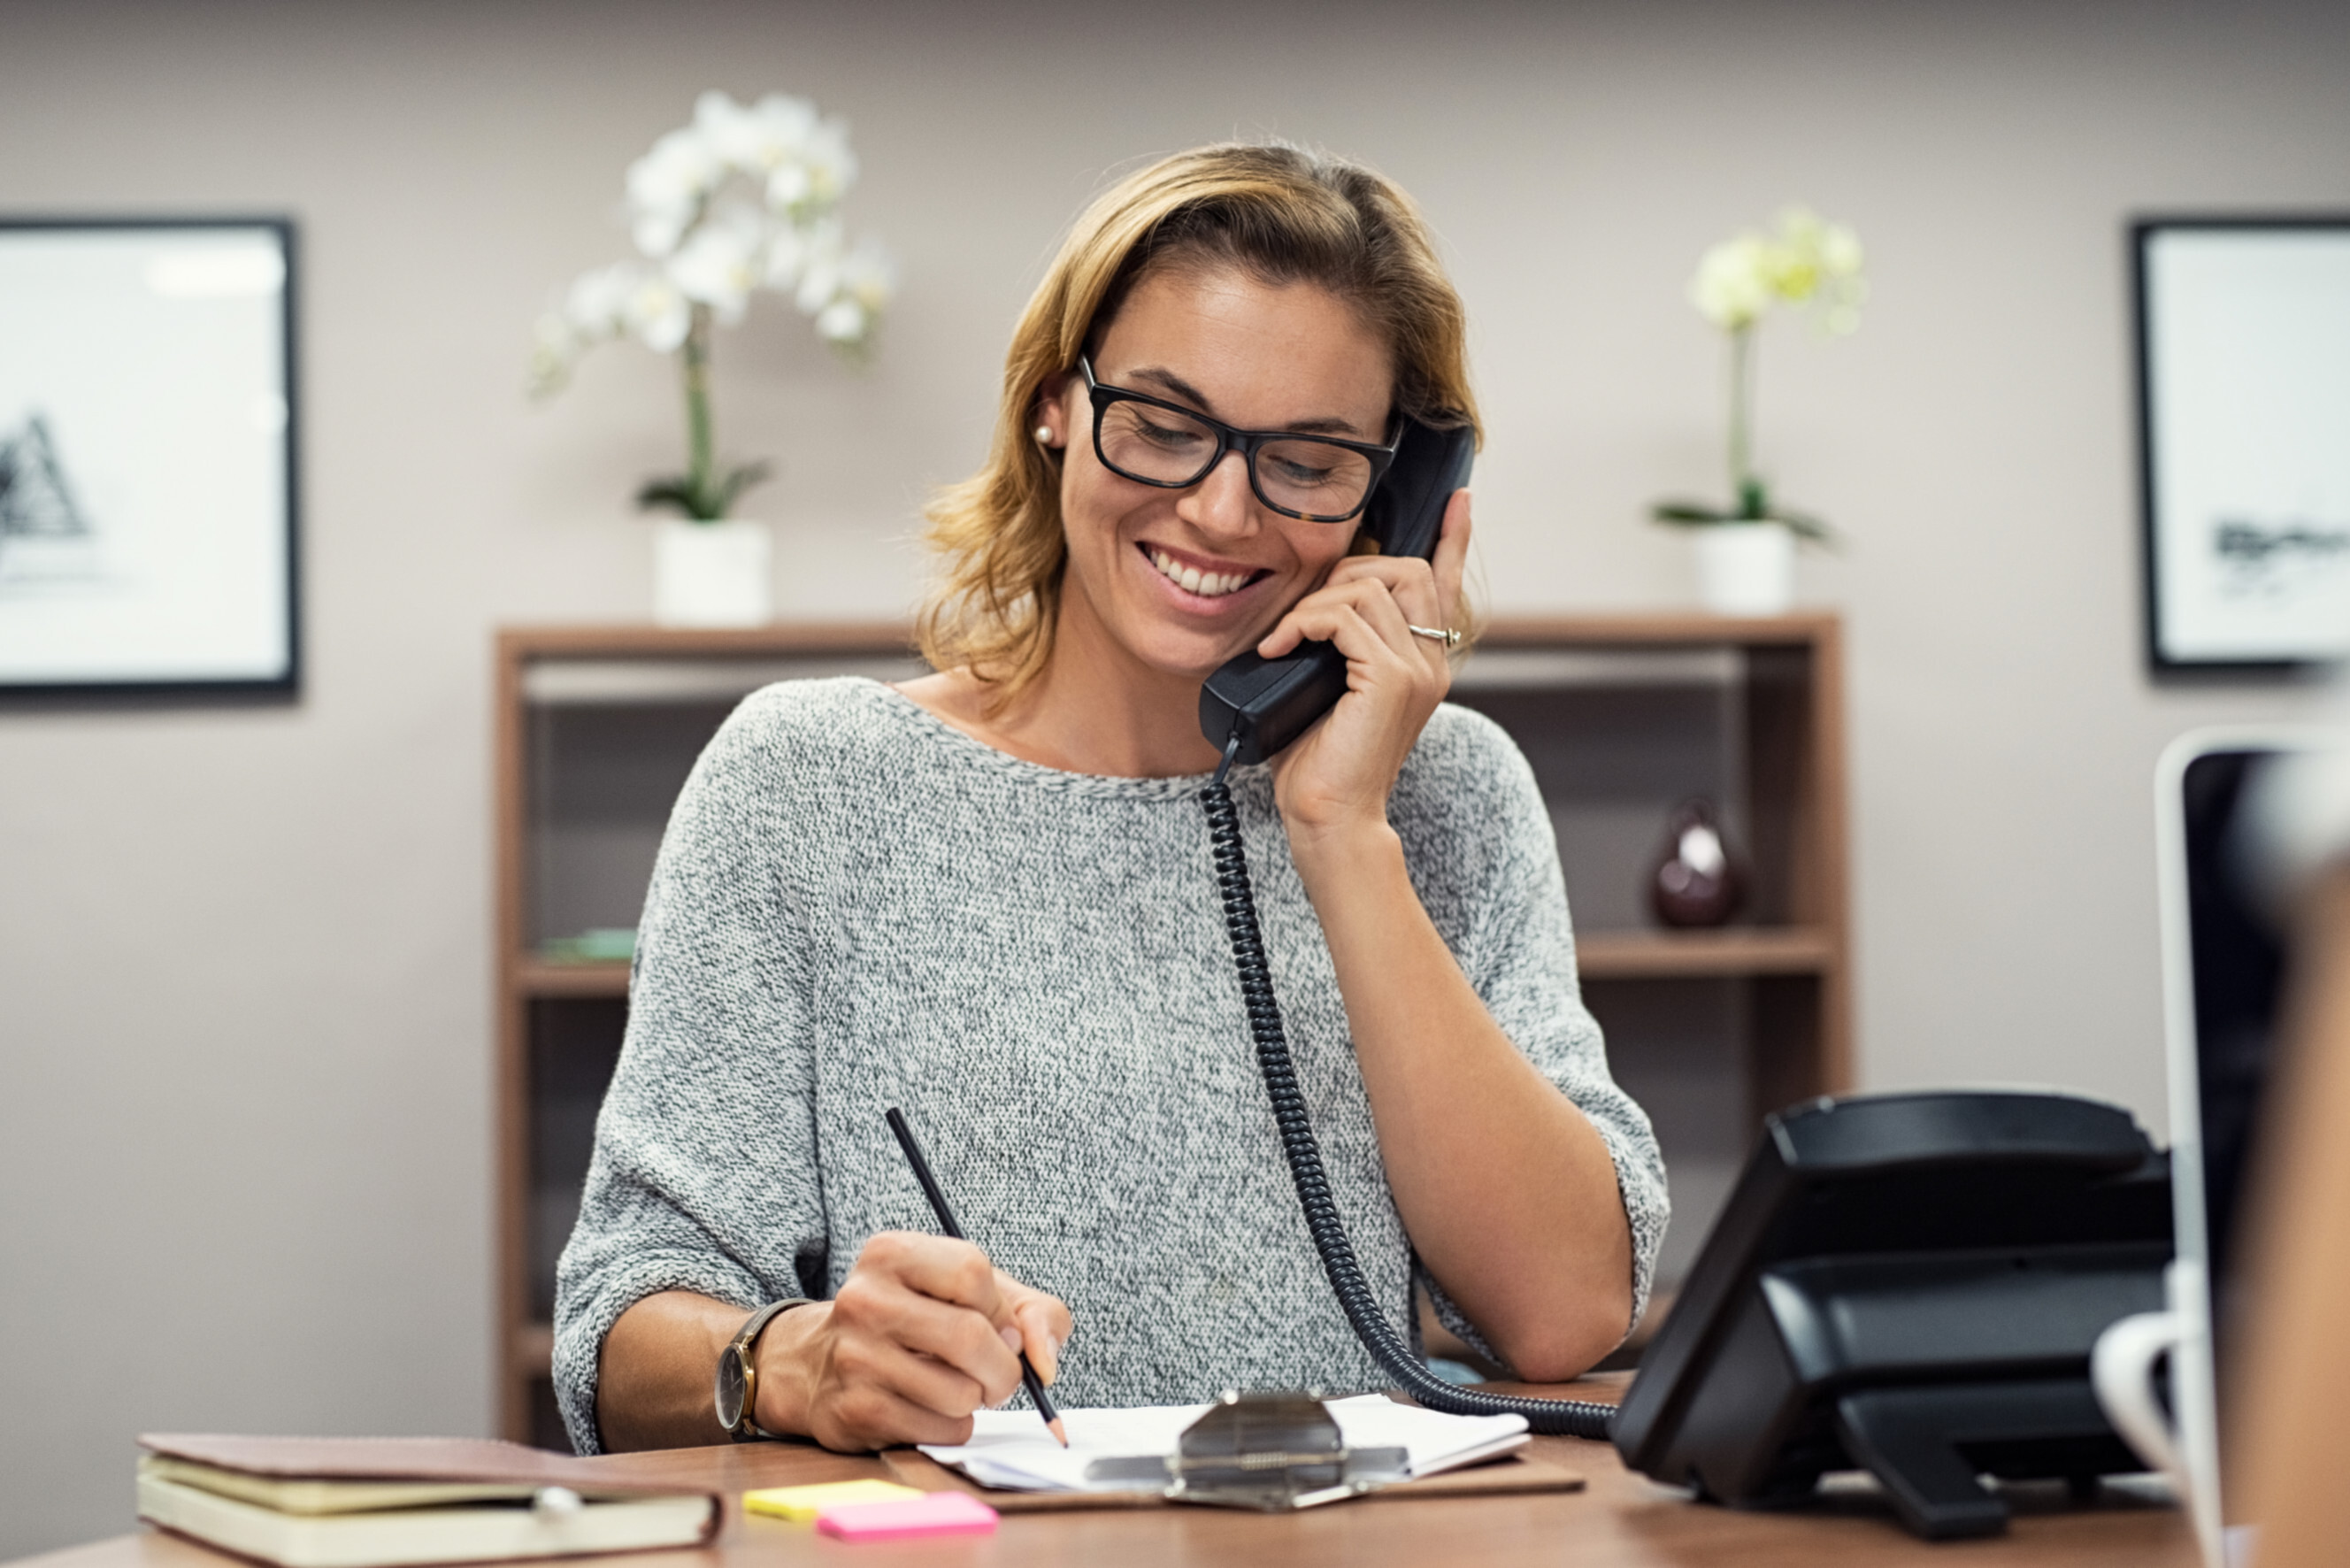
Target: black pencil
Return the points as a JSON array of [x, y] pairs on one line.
[[931, 1190]]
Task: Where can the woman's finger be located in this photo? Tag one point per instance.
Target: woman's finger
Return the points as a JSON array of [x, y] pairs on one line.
[[1346, 625], [940, 1267], [1369, 598], [1043, 1321], [1411, 580], [1383, 610], [929, 1384], [936, 1296], [873, 1414], [960, 1339], [1304, 616]]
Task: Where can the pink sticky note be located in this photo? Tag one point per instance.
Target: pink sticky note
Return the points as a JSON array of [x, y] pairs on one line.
[[934, 1513]]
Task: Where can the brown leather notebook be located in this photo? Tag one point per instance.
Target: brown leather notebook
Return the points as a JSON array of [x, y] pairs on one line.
[[461, 1459], [384, 1502]]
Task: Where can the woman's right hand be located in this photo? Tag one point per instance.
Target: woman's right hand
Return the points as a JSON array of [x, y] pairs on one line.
[[923, 1332]]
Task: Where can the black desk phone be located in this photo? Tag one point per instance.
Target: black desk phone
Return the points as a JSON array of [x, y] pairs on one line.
[[1905, 1283]]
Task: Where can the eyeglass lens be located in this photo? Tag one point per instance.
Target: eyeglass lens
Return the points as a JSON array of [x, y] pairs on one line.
[[1160, 446]]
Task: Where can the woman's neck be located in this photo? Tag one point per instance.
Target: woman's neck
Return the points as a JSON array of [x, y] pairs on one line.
[[1094, 709]]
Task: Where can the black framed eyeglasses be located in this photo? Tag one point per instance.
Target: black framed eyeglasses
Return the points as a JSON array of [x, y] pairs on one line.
[[1153, 442]]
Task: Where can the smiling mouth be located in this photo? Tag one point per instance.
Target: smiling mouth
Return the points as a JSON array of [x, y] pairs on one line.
[[1192, 580]]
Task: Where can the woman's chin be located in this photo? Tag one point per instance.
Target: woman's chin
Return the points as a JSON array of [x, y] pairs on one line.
[[1188, 653]]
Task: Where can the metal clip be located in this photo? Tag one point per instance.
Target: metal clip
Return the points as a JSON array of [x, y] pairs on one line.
[[1273, 1452]]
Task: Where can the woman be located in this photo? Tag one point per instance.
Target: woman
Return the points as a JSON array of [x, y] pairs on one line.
[[986, 896]]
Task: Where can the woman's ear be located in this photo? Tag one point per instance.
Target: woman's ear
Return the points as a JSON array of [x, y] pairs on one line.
[[1048, 421]]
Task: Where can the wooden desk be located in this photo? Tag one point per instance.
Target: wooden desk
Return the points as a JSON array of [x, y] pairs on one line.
[[1621, 1519]]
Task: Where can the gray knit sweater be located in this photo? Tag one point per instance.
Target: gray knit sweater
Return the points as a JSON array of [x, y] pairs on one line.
[[858, 905]]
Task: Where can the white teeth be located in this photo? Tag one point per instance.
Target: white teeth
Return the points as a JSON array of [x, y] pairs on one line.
[[1207, 584]]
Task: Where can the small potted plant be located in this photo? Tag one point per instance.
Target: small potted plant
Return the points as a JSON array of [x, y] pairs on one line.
[[1746, 550], [746, 198]]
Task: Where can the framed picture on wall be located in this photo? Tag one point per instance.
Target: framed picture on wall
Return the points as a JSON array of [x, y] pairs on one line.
[[147, 455], [2243, 376]]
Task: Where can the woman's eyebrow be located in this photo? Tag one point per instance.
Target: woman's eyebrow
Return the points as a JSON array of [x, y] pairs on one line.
[[1170, 381]]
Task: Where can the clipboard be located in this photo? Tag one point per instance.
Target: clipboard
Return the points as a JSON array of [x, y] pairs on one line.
[[1510, 1475]]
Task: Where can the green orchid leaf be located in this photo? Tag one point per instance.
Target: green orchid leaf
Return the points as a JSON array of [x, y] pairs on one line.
[[735, 481], [1803, 525], [1688, 514], [1698, 515], [676, 494]]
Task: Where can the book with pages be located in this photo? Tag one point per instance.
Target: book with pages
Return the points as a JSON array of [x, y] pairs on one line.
[[387, 1502]]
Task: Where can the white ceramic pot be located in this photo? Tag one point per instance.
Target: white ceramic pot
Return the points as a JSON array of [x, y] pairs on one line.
[[712, 574], [1745, 568]]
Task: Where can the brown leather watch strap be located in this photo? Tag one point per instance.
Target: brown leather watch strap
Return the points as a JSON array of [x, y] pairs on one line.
[[746, 1427]]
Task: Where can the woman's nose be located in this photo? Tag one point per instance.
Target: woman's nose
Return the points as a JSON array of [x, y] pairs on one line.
[[1222, 502]]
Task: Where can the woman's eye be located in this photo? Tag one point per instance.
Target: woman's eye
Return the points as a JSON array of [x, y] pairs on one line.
[[1173, 437], [1291, 472]]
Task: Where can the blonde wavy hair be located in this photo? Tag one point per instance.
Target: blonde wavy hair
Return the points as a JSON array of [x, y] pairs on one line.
[[1284, 214]]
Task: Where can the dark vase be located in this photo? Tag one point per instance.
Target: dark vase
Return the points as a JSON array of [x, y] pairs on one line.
[[1697, 882]]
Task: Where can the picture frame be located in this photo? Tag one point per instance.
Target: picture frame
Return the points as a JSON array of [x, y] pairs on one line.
[[2243, 397], [149, 443]]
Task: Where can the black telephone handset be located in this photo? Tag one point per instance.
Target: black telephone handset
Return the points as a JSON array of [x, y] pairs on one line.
[[1269, 702]]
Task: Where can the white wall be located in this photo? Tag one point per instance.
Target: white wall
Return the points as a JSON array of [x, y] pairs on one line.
[[245, 1012]]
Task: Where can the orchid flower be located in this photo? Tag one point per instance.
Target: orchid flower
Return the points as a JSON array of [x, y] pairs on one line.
[[1807, 263], [745, 198]]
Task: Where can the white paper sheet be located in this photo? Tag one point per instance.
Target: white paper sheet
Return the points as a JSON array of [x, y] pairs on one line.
[[1011, 1448]]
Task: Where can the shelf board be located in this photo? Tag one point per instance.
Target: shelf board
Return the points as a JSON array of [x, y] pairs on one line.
[[1601, 955], [1500, 667], [885, 638], [531, 1351], [535, 977], [1635, 628], [1642, 629], [656, 680], [1729, 952]]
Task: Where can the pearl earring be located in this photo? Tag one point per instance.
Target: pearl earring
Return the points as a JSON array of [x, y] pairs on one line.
[[1044, 435]]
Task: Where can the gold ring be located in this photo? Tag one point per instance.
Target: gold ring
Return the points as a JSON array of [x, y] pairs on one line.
[[1443, 634]]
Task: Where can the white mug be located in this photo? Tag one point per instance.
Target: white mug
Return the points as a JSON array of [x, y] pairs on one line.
[[2184, 1447]]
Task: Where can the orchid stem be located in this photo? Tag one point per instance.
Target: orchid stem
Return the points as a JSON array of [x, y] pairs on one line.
[[695, 356], [1743, 485]]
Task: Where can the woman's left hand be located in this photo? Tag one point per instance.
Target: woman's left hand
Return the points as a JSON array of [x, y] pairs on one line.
[[1338, 774]]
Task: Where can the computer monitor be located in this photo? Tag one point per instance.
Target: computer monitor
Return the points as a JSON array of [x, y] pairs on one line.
[[2223, 972]]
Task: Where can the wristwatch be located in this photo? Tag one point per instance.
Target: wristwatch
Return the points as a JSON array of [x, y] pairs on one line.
[[738, 1379]]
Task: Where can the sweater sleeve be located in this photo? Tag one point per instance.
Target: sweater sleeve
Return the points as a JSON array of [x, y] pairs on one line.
[[686, 1191], [1498, 893]]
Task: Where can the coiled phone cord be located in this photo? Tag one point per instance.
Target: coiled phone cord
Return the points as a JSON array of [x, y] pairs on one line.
[[1565, 1417]]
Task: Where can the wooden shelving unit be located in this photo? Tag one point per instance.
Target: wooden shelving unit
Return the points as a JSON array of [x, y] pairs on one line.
[[596, 728], [1621, 716]]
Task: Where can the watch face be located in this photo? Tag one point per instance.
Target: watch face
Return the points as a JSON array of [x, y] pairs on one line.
[[731, 1386]]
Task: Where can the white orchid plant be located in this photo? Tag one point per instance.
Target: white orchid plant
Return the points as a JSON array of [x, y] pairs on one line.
[[1809, 264], [745, 198]]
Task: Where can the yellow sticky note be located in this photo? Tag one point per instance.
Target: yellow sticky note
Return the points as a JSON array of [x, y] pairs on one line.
[[802, 1502]]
